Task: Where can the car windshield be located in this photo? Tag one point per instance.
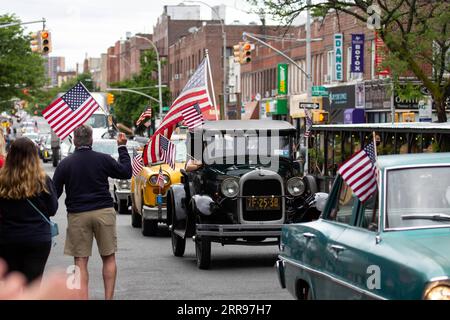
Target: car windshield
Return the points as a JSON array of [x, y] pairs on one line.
[[247, 147], [98, 121], [418, 198], [110, 147], [181, 150]]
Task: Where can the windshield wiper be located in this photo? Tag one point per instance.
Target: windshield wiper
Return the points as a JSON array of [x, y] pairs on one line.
[[434, 217]]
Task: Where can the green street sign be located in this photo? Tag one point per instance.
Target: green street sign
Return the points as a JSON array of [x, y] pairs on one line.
[[165, 109], [319, 91]]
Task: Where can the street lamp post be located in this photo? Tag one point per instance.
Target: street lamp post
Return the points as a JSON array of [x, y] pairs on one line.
[[159, 72], [224, 36]]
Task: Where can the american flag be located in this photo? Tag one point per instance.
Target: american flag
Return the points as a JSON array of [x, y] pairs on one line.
[[70, 111], [137, 164], [167, 151], [160, 180], [193, 117], [146, 114], [360, 172], [308, 122], [195, 92]]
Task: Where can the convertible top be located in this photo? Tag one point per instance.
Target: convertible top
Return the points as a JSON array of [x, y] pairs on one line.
[[223, 125]]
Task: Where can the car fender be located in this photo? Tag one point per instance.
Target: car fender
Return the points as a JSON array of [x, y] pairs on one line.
[[203, 204], [177, 212]]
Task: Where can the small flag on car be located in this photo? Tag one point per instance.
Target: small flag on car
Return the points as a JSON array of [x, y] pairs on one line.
[[193, 117], [360, 172], [167, 151], [160, 180]]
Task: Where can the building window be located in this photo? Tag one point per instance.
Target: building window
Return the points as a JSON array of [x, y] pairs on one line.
[[330, 66], [350, 75]]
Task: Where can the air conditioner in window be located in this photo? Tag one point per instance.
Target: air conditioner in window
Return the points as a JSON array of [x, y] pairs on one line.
[[327, 78], [177, 76]]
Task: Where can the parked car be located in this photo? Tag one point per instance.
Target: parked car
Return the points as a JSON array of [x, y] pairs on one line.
[[393, 246], [148, 200], [237, 196], [121, 187]]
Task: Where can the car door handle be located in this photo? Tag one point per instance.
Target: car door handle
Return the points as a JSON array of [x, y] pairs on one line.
[[309, 235], [337, 248]]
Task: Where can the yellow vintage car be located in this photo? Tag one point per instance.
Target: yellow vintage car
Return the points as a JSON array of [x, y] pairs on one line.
[[148, 201]]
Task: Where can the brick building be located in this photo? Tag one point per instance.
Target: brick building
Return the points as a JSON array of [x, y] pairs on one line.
[[123, 60], [258, 79], [186, 53], [167, 31]]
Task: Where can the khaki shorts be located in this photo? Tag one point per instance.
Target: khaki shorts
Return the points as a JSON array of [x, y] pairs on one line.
[[84, 226]]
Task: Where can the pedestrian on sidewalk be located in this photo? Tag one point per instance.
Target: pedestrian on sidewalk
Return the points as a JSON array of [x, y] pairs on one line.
[[90, 209], [25, 237]]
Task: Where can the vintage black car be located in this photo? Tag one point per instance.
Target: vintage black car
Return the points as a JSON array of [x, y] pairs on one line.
[[248, 186]]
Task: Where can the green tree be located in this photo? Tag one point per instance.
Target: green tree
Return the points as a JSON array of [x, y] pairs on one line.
[[129, 106], [21, 70], [416, 33]]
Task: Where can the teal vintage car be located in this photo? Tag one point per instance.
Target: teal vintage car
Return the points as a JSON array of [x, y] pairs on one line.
[[395, 245]]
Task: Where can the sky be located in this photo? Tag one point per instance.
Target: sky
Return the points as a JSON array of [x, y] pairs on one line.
[[89, 27]]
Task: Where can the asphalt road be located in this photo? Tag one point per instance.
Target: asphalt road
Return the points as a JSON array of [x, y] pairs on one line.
[[148, 270]]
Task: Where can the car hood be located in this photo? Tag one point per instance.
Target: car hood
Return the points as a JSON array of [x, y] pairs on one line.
[[239, 170], [427, 249]]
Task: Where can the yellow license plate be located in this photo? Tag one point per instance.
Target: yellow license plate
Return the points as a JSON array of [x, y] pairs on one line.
[[46, 154], [262, 203]]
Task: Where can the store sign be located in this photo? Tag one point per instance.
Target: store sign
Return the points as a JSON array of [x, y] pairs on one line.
[[377, 96], [357, 63], [380, 55], [339, 56], [341, 97], [425, 110], [282, 79]]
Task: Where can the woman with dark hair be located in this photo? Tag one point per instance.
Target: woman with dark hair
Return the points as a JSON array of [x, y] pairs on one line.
[[25, 237]]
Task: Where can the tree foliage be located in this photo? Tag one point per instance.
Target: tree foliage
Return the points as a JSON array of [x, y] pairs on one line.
[[416, 33], [21, 70], [129, 106]]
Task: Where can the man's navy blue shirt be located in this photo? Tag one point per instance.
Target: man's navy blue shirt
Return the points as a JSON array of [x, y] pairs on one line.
[[85, 177]]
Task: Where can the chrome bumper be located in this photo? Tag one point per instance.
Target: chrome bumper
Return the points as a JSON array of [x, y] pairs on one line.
[[239, 230], [123, 194], [154, 213]]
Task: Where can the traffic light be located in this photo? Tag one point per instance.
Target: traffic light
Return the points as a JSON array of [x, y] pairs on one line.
[[320, 116], [46, 41], [35, 42], [110, 99], [242, 52], [237, 52], [247, 52]]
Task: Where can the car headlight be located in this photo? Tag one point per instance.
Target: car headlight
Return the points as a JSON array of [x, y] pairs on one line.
[[295, 186], [439, 292], [124, 184], [154, 179], [230, 188]]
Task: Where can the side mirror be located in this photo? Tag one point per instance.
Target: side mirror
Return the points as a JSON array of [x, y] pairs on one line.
[[321, 200]]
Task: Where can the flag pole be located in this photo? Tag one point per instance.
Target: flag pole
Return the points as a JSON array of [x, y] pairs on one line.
[[212, 82]]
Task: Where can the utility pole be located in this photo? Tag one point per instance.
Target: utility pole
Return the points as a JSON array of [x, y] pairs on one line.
[[309, 81]]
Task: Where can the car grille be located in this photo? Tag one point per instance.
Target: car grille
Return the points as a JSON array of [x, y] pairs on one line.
[[270, 187]]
